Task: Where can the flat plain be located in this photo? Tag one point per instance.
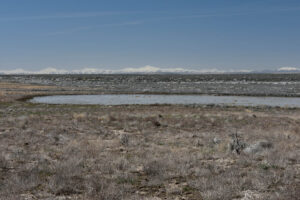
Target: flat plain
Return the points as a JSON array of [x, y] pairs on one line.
[[156, 152]]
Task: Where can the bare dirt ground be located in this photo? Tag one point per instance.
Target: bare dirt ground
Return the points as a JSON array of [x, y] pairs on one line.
[[19, 91], [145, 152], [13, 91]]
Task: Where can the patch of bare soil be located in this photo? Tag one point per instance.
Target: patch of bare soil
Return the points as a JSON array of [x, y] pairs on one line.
[[148, 152], [13, 91], [10, 92]]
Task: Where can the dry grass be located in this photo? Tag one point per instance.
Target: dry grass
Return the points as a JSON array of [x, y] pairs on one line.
[[120, 152]]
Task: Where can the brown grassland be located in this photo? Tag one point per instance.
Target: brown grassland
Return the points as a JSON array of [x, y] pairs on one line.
[[145, 152]]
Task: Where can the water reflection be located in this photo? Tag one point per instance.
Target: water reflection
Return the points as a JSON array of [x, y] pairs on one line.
[[123, 99]]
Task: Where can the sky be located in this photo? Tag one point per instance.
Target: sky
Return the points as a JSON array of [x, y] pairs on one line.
[[117, 34]]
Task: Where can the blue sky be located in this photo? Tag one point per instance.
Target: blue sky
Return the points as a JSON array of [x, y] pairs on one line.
[[114, 34]]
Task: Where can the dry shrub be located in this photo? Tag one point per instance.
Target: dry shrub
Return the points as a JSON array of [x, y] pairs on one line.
[[3, 162], [124, 139], [154, 168], [2, 93], [79, 116], [121, 164], [27, 180], [101, 188], [67, 177]]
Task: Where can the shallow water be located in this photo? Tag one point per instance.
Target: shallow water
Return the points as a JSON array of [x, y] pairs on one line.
[[123, 99]]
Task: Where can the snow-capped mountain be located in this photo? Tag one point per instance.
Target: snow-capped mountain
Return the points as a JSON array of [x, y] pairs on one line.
[[145, 70]]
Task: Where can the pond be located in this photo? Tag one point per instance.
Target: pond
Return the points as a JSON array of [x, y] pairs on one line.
[[126, 99]]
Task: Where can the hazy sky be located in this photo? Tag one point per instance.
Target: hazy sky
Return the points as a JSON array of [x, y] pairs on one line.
[[114, 34]]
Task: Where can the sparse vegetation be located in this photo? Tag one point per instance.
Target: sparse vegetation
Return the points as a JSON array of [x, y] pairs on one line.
[[148, 152]]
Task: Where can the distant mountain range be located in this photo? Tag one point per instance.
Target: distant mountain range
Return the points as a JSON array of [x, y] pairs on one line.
[[282, 70], [146, 70]]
